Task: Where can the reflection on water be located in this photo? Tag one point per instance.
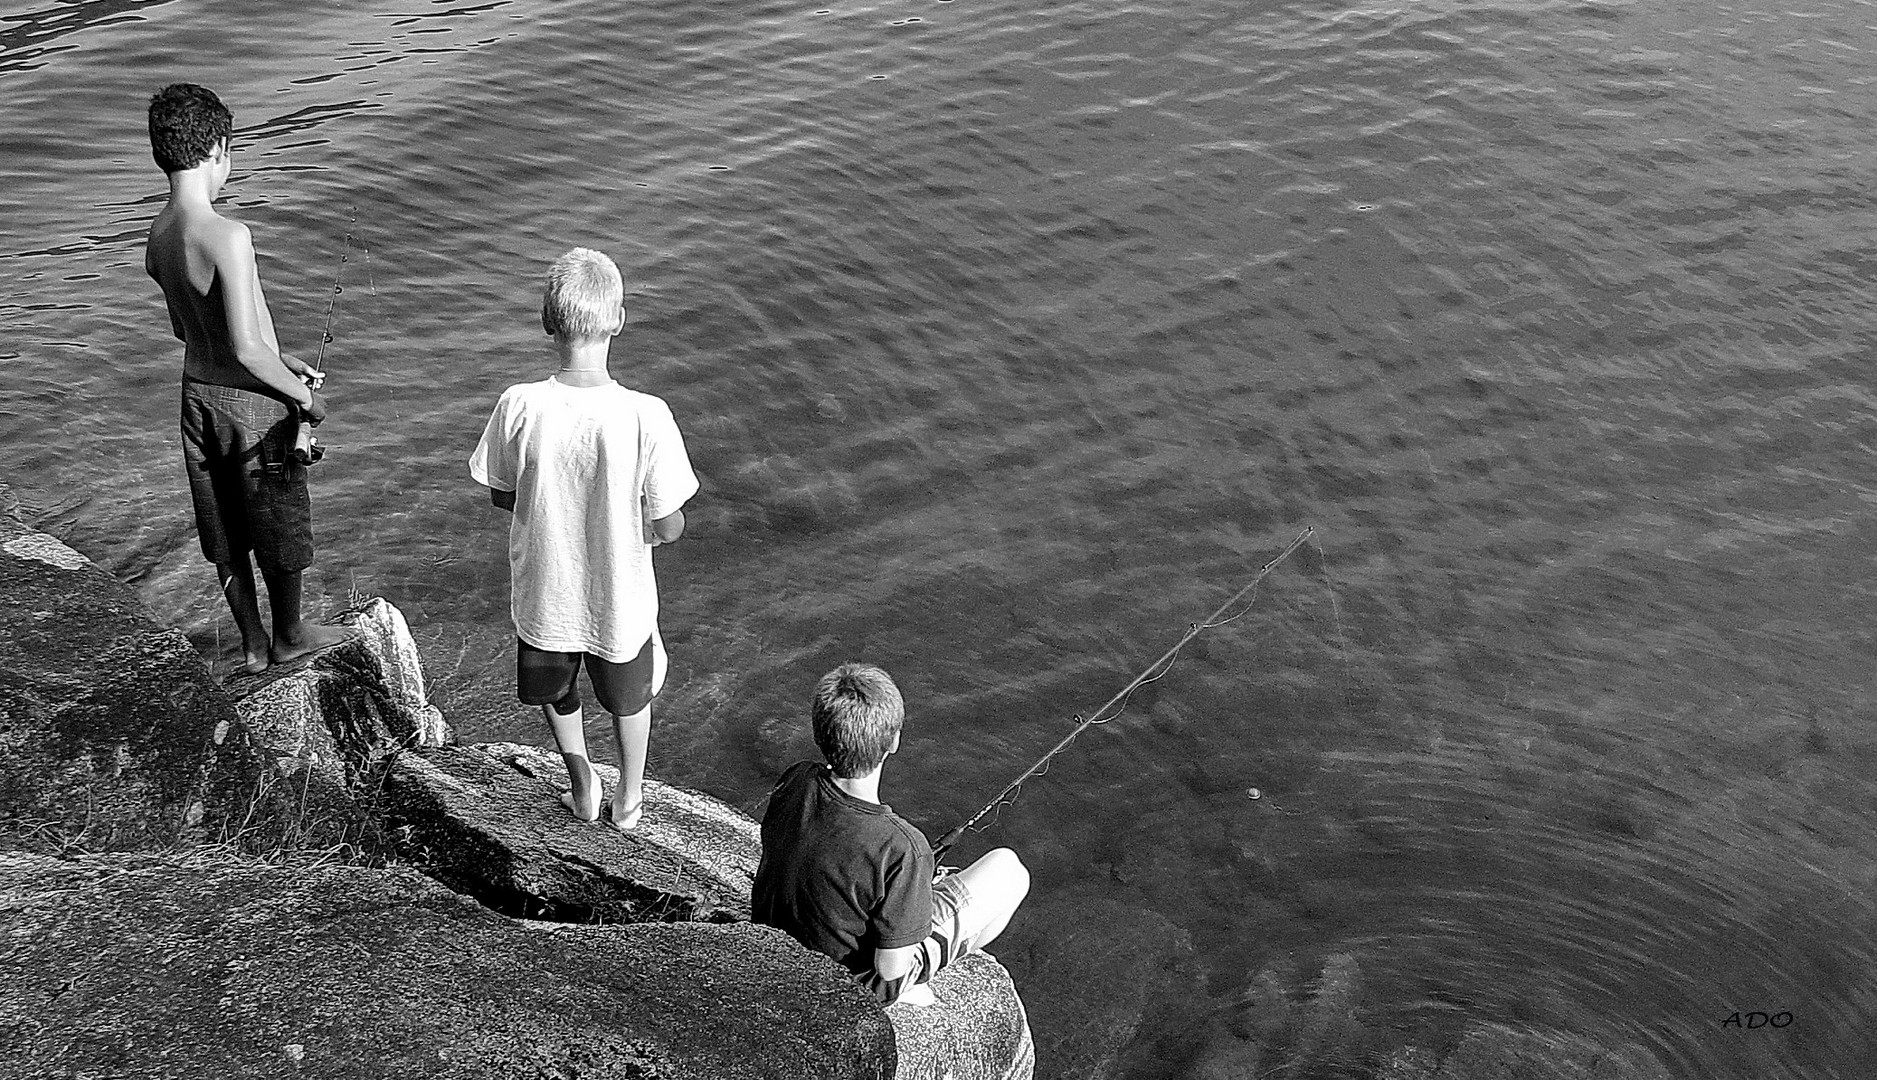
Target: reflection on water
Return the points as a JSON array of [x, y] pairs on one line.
[[1010, 340]]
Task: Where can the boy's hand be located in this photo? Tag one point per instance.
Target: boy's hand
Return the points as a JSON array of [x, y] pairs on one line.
[[303, 370], [315, 410]]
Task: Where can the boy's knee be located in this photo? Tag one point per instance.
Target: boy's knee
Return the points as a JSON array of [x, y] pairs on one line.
[[1007, 870]]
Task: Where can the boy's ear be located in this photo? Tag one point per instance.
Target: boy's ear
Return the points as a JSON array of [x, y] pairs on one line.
[[620, 323], [894, 749]]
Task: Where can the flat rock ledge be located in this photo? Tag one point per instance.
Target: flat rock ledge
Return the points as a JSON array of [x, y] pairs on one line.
[[153, 967], [487, 821]]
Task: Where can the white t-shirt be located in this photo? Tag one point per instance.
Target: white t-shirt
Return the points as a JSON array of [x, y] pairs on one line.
[[590, 466]]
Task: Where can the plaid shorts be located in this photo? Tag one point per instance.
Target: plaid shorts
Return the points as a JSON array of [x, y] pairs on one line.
[[249, 493], [955, 930]]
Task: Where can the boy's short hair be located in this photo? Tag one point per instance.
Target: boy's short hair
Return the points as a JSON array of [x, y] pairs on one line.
[[186, 121], [856, 713], [584, 293]]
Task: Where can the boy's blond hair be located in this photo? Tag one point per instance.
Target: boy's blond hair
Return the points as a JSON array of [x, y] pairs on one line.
[[856, 714], [584, 294]]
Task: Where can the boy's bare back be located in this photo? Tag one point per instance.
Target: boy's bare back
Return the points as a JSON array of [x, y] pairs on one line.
[[205, 264]]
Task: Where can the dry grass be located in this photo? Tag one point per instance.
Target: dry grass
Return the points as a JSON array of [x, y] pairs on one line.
[[306, 836]]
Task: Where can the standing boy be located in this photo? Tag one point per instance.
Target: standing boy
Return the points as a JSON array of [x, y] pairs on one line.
[[595, 475], [846, 876], [242, 398]]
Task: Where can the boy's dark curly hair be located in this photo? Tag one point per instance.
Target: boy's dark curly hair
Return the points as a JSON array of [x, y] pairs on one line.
[[186, 121]]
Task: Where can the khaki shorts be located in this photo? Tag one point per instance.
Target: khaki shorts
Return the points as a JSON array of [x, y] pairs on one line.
[[955, 927]]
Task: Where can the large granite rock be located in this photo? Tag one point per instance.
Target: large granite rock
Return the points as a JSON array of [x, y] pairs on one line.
[[323, 732], [139, 967], [487, 821], [201, 963], [978, 1029], [114, 736]]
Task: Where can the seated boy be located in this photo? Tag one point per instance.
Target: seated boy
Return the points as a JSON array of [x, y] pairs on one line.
[[848, 877], [595, 475], [242, 398]]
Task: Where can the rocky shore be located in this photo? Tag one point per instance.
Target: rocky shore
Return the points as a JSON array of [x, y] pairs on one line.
[[306, 873]]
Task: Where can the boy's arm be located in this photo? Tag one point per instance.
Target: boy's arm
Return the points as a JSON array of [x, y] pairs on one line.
[[492, 464], [250, 325], [669, 479], [300, 368]]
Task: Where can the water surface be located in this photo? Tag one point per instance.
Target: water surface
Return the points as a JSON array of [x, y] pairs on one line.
[[1010, 339]]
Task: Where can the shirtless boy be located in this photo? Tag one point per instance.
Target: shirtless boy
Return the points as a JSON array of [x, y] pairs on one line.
[[242, 398]]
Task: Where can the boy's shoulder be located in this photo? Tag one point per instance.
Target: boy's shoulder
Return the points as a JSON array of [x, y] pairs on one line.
[[223, 240], [799, 775], [201, 226], [521, 394], [646, 400]]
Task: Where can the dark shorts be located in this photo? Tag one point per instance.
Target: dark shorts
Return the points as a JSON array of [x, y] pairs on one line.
[[249, 494], [543, 678]]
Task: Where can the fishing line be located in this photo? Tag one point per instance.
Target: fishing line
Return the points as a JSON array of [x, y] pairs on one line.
[[1152, 673], [1336, 609], [338, 285], [305, 446]]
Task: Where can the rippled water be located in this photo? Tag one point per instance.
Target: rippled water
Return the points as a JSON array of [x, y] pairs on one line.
[[1010, 339]]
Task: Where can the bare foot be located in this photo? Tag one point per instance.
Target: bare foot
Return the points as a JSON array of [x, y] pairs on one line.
[[310, 639], [256, 660], [626, 819], [596, 792]]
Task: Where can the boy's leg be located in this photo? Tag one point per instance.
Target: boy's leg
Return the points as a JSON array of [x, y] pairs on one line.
[[570, 735], [237, 580], [969, 910], [634, 735], [279, 521], [997, 884], [294, 637], [549, 679], [626, 690], [216, 451]]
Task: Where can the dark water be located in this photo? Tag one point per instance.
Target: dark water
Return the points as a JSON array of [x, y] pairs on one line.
[[1009, 339]]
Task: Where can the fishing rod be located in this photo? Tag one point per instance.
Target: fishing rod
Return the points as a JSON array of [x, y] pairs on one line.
[[306, 448], [1148, 674]]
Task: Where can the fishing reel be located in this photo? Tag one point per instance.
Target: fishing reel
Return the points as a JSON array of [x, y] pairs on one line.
[[306, 448]]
